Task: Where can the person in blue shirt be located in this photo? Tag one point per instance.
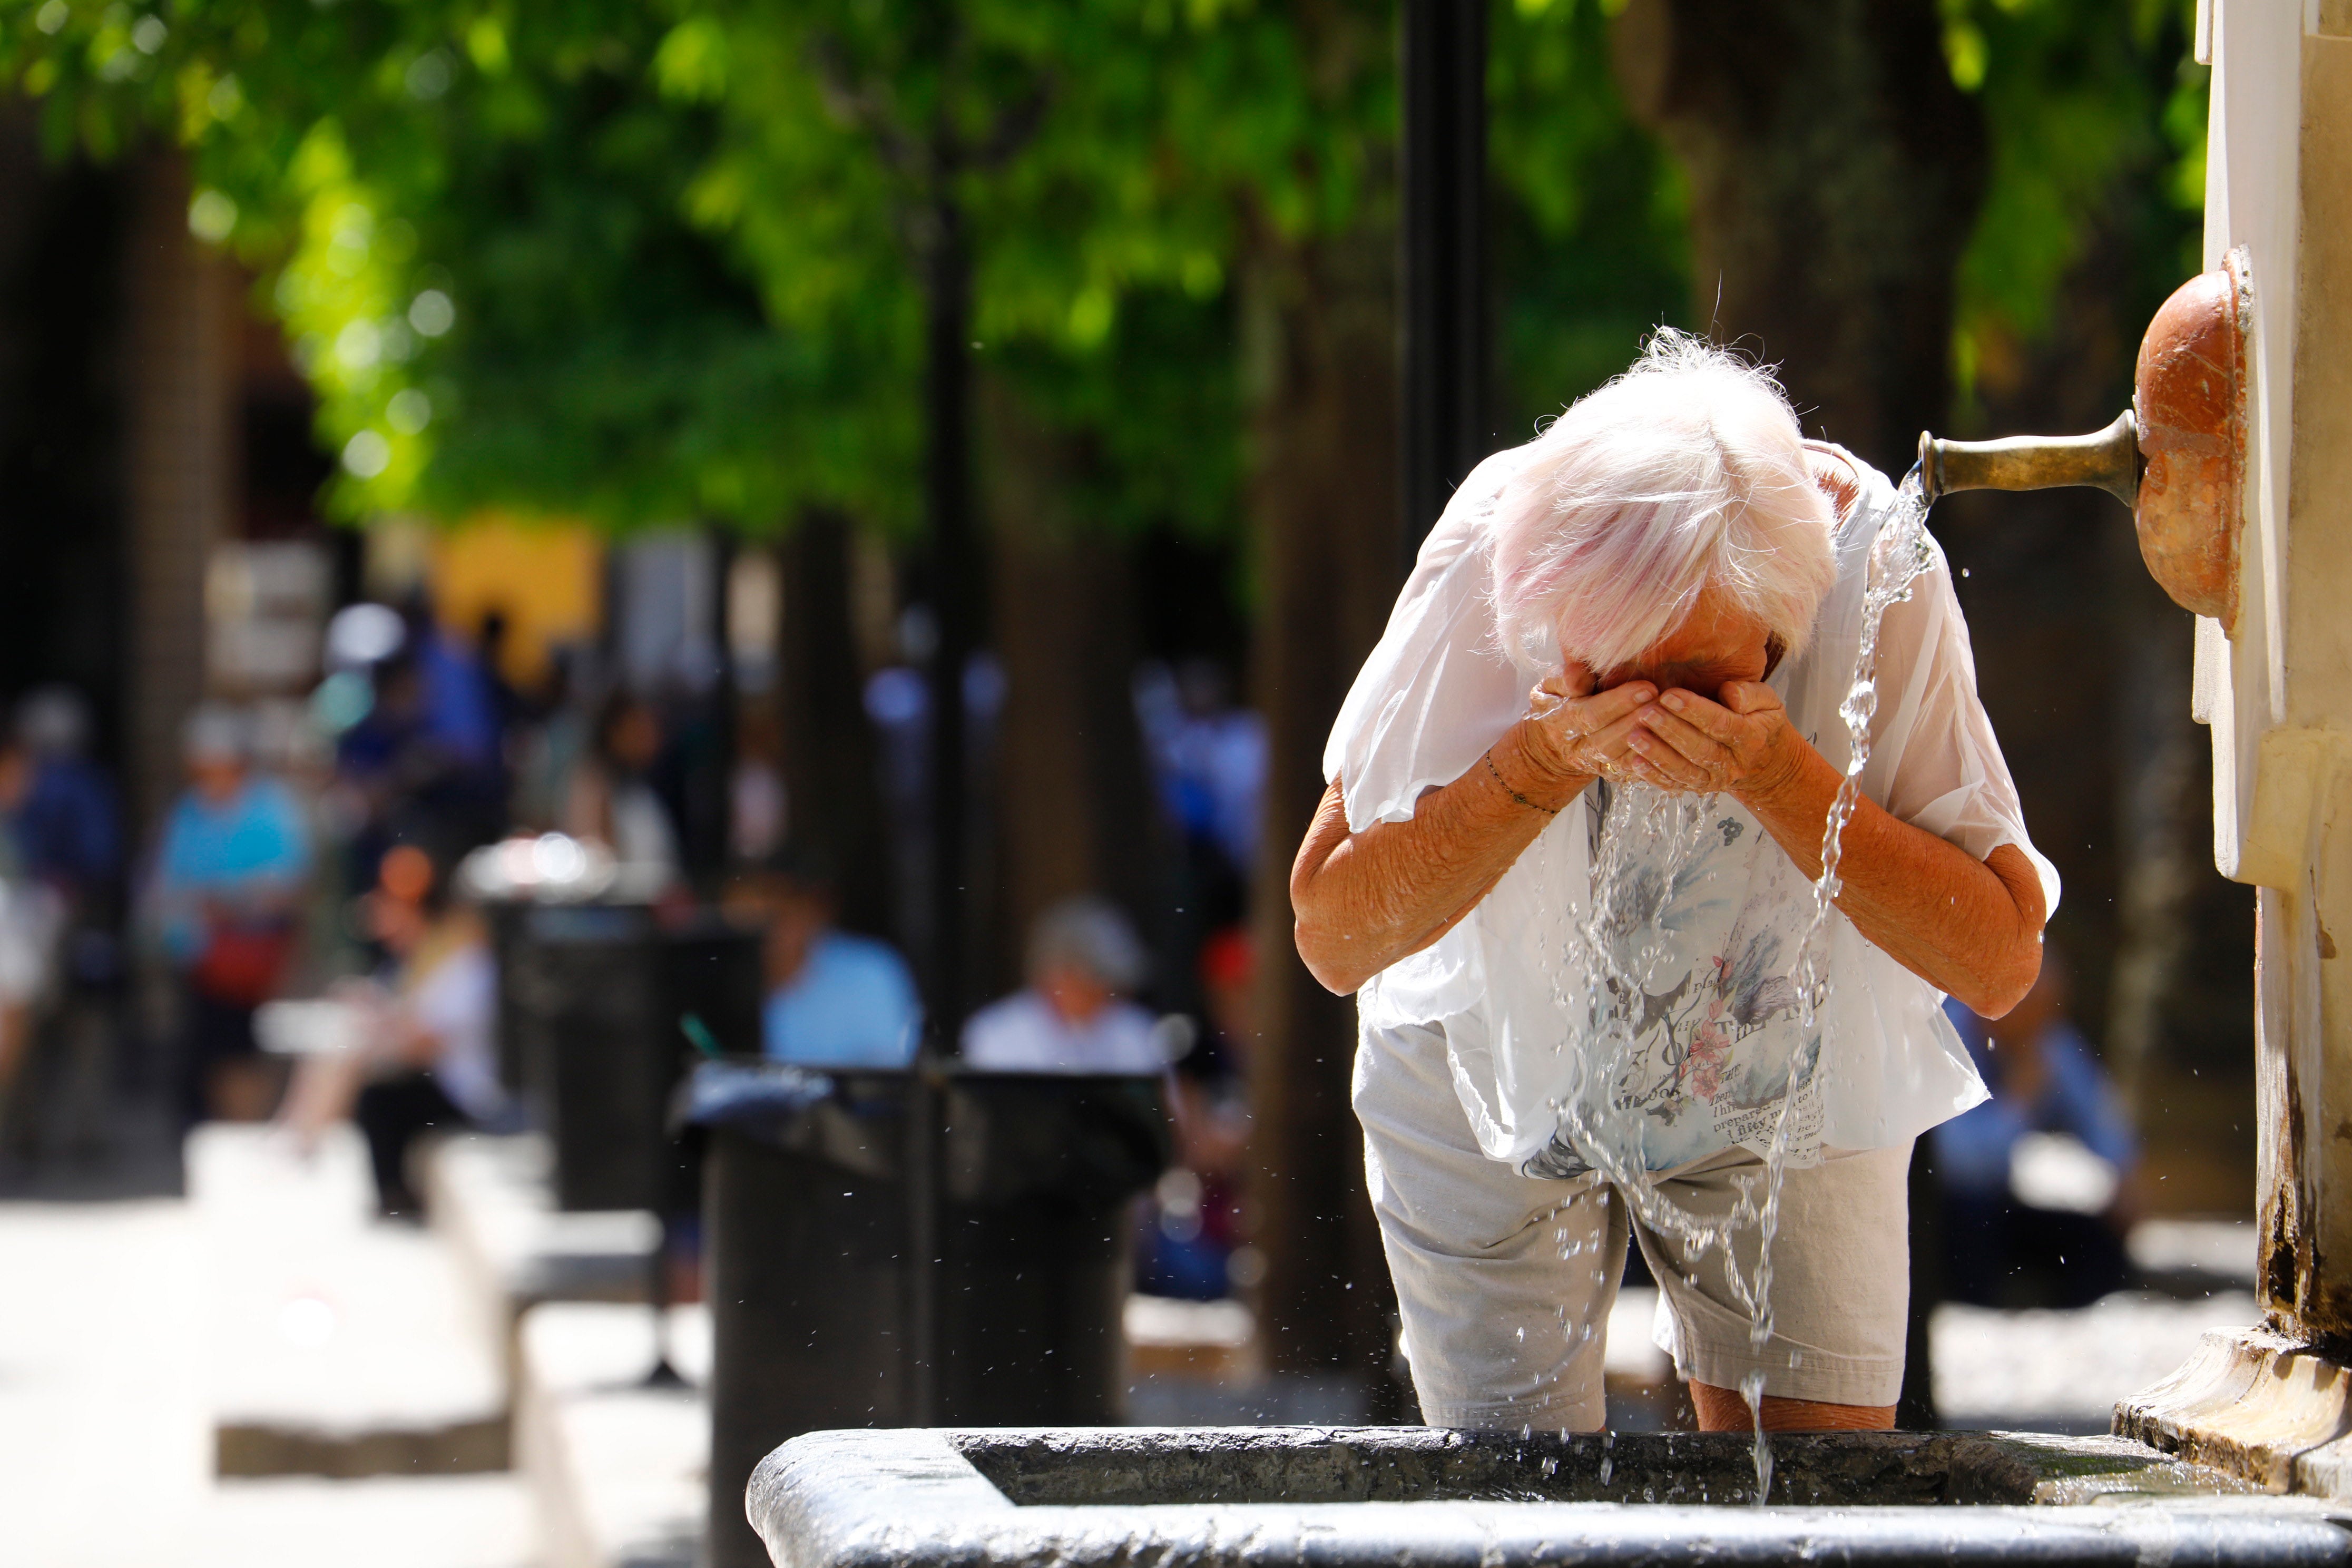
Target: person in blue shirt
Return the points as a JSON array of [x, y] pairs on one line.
[[68, 826], [833, 999], [2007, 1244], [63, 821], [223, 902]]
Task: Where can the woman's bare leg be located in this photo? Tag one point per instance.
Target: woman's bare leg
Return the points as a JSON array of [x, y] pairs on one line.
[[1725, 1410]]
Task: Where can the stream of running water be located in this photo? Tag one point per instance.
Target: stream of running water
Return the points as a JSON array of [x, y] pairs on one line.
[[1643, 839]]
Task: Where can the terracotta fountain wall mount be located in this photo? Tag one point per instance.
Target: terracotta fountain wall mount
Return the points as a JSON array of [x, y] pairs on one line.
[[2177, 457]]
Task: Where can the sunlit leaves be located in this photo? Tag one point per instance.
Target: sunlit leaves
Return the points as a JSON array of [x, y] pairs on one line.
[[2091, 109], [470, 218], [1590, 224]]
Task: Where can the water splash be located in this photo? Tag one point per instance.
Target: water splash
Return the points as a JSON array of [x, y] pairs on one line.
[[1751, 1389], [1642, 827], [1901, 552]]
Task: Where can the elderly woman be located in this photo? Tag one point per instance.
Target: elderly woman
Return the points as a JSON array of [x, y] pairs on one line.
[[1073, 1016], [1680, 575]]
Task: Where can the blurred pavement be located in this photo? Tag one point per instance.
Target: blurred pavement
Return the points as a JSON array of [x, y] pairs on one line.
[[106, 1442]]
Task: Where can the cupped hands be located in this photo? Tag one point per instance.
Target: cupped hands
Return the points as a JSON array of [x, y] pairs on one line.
[[1742, 745]]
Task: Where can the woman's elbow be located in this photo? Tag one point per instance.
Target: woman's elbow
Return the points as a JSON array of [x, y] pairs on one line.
[[2006, 983], [1328, 956], [2018, 963]]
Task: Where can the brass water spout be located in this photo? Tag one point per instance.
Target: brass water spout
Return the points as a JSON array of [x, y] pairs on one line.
[[2109, 461], [2177, 457]]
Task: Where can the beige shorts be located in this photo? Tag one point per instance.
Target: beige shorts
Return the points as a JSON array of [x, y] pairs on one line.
[[1505, 1281]]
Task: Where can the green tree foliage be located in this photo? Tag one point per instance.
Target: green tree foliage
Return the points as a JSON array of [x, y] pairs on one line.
[[470, 219], [2097, 115], [1590, 216], [1113, 160], [644, 262]]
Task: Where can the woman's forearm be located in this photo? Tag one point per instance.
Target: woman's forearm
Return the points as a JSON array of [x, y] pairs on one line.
[[1363, 901], [1970, 928]]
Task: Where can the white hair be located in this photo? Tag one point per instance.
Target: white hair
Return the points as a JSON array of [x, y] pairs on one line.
[[1686, 472], [1090, 934]]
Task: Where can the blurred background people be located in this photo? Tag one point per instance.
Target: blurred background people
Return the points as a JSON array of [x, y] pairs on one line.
[[610, 796], [1073, 1016], [550, 749], [30, 917], [758, 810], [425, 1055], [68, 826], [833, 998], [2040, 1183], [428, 757], [1188, 1250], [1208, 757], [63, 830], [223, 902]]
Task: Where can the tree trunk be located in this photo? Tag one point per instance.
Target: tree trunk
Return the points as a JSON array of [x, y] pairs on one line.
[[831, 787], [1321, 339], [1073, 805], [179, 437], [1835, 172]]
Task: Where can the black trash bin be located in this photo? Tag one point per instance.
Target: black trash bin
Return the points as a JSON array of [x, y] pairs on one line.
[[586, 986], [596, 998], [508, 920], [818, 1300]]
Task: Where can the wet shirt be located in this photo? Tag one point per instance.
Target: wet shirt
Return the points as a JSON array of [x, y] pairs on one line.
[[1668, 1011], [1696, 995]]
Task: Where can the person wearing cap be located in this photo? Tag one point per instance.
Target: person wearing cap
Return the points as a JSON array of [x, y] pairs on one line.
[[222, 902], [1072, 1017]]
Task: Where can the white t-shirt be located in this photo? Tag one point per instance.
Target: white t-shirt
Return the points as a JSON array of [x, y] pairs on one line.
[[1714, 1024], [458, 1002], [1021, 1033]]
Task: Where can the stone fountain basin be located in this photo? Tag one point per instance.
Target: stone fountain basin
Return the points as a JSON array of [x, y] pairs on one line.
[[1427, 1498]]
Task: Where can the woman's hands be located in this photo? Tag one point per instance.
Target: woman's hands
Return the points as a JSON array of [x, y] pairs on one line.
[[1573, 734], [1364, 899], [1743, 746]]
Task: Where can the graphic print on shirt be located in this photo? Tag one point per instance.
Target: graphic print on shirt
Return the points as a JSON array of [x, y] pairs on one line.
[[1693, 1019]]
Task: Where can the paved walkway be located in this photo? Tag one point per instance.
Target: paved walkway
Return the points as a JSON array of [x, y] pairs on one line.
[[105, 1444]]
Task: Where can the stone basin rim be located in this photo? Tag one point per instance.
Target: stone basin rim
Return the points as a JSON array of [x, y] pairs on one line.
[[913, 1499]]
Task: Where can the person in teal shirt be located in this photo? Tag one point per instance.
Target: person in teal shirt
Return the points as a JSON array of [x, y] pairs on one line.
[[234, 854], [833, 999]]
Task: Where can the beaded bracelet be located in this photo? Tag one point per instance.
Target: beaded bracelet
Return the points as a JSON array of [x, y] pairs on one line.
[[1488, 757]]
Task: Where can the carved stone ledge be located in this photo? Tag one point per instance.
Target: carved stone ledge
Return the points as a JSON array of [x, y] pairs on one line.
[[2255, 1404]]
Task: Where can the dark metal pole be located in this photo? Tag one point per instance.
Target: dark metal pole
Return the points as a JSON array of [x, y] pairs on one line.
[[1444, 242], [716, 784], [954, 577], [947, 486]]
